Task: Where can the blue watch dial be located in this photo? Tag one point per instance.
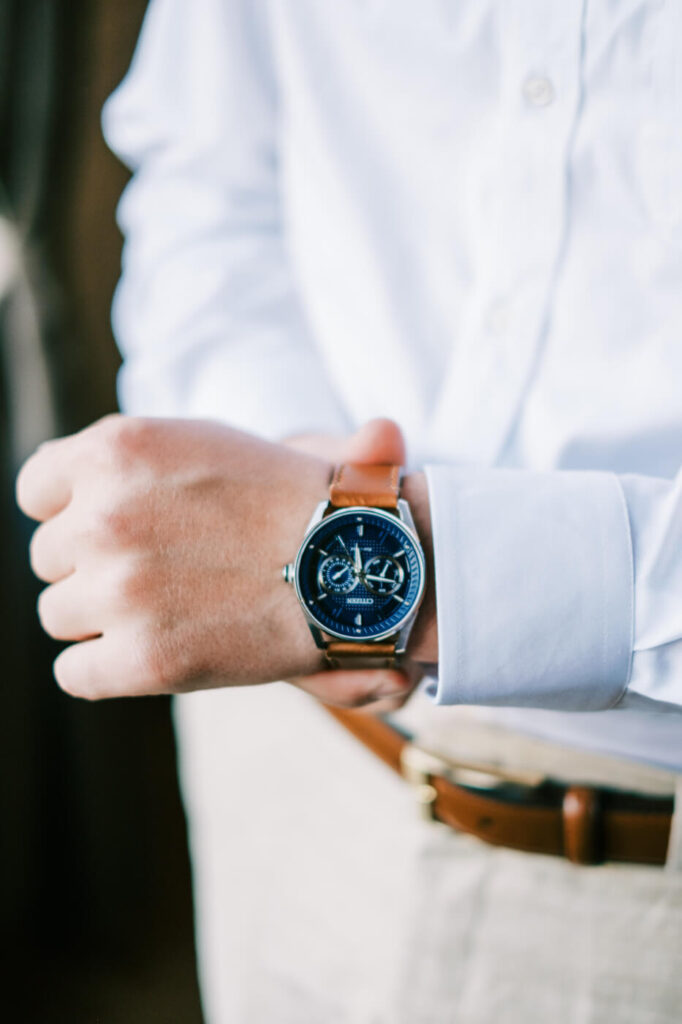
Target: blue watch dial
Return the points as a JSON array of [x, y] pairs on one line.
[[360, 574]]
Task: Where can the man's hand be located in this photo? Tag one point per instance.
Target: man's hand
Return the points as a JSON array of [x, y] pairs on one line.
[[163, 542]]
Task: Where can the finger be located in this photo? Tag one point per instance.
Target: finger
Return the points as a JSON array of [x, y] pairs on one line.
[[384, 705], [387, 705], [52, 551], [378, 441], [44, 482], [68, 610], [356, 688], [83, 670], [325, 446], [106, 666]]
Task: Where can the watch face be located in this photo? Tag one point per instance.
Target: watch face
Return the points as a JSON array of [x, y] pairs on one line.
[[360, 574]]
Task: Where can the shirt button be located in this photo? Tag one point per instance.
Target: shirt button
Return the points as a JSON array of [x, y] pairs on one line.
[[538, 91]]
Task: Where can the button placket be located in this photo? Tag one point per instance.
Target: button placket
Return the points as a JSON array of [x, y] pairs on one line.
[[524, 224]]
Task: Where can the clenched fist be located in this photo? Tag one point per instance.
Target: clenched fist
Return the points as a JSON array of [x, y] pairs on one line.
[[163, 543]]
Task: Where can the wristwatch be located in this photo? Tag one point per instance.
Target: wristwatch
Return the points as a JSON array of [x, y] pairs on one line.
[[360, 571]]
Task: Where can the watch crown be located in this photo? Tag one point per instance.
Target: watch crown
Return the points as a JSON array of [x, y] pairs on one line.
[[288, 573]]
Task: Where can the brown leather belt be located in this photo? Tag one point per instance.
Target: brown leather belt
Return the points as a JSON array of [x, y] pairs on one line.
[[586, 824]]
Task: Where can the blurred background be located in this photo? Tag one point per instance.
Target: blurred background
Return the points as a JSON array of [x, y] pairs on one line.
[[96, 899]]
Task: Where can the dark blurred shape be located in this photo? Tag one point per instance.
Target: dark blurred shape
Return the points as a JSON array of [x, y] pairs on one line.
[[95, 877]]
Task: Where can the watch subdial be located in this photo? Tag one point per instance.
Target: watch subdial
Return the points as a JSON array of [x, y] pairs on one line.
[[336, 575], [383, 575]]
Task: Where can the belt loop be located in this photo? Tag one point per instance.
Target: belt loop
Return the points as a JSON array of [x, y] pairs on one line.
[[582, 819], [673, 861]]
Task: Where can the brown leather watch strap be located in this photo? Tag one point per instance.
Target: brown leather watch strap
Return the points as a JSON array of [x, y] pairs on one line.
[[346, 654], [355, 484], [584, 824]]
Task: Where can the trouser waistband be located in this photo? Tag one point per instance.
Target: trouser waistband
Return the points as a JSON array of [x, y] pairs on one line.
[[508, 801]]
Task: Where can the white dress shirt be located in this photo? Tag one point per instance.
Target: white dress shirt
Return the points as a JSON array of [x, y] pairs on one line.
[[466, 216]]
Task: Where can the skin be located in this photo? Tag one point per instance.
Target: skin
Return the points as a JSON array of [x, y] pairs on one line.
[[162, 542]]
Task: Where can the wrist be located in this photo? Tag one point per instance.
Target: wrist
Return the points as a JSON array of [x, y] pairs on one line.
[[350, 540], [299, 654]]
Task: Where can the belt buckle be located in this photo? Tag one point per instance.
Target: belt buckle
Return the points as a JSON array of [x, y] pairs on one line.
[[420, 766]]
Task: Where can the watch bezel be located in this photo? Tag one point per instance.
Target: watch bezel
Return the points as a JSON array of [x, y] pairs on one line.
[[323, 521]]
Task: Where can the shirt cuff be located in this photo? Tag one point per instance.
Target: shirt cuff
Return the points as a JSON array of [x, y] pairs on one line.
[[534, 588]]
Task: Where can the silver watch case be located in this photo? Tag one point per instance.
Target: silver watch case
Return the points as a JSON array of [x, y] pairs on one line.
[[321, 634]]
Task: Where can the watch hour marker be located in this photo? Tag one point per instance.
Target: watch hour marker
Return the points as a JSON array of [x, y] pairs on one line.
[[361, 529], [398, 553], [358, 619], [396, 597], [320, 597]]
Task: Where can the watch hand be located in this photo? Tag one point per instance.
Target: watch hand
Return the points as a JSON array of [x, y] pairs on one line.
[[358, 560], [340, 540]]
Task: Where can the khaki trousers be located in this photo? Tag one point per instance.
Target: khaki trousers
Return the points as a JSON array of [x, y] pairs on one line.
[[321, 898]]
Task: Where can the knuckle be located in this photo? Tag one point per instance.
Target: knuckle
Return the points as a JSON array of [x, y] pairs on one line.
[[114, 525], [118, 519], [115, 522], [106, 429], [133, 582], [49, 446], [126, 438], [107, 422]]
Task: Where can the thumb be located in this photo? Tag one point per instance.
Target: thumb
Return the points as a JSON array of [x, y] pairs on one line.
[[379, 441], [385, 689]]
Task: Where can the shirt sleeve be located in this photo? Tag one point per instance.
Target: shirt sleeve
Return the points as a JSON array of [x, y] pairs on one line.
[[558, 590], [206, 313]]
